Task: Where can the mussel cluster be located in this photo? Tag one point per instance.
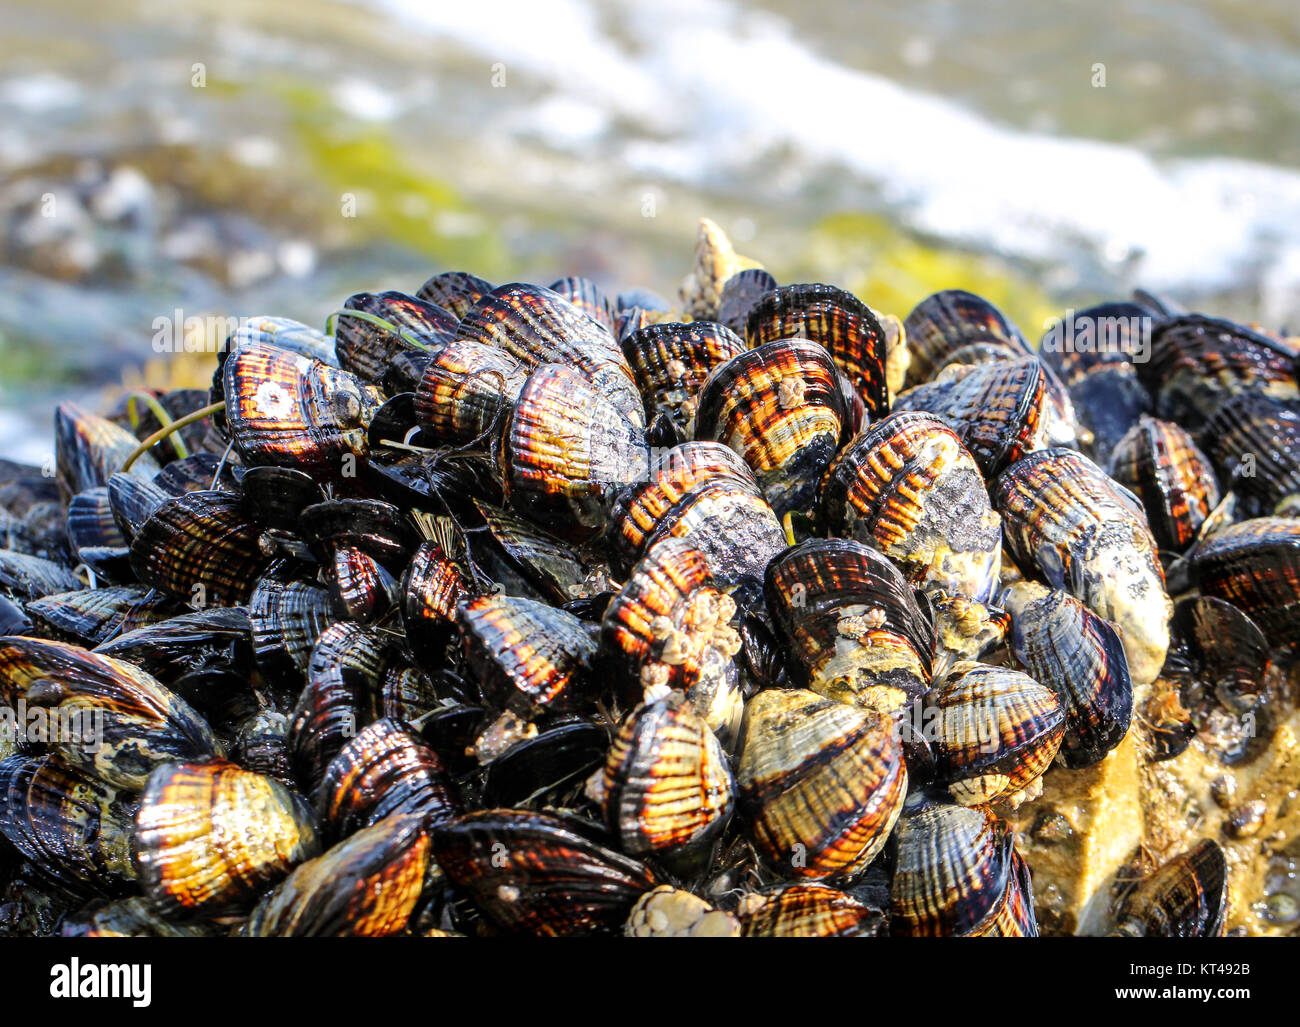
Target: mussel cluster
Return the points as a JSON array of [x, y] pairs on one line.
[[531, 609]]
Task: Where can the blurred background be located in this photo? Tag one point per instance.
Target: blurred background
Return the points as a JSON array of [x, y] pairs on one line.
[[230, 158]]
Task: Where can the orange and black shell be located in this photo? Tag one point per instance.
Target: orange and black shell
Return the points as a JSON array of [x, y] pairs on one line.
[[739, 295], [211, 837], [1187, 897], [94, 534], [72, 828], [89, 449], [812, 911], [200, 548], [1198, 362], [90, 616], [1106, 335], [955, 872], [948, 320], [537, 326], [406, 692], [528, 656], [587, 296], [1080, 656], [454, 291], [997, 409], [366, 349], [566, 451], [386, 769], [139, 723], [640, 508], [835, 319], [1218, 649], [997, 731], [672, 360], [1159, 463], [539, 873], [1255, 565], [667, 785], [132, 500], [1254, 441], [366, 886], [549, 564], [371, 525], [781, 408], [341, 697], [820, 783], [285, 619], [465, 387], [431, 588], [853, 626], [363, 589], [293, 411]]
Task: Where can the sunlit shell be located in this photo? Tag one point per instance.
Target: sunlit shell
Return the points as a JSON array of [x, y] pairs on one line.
[[465, 388], [456, 291], [1254, 441], [716, 262], [811, 911], [1160, 464], [672, 360], [1255, 565], [948, 320], [1187, 897], [366, 348], [668, 912], [89, 449]]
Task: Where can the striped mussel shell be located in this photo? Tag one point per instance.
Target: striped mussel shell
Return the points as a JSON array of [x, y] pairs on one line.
[[200, 548], [94, 535], [275, 497], [672, 360], [215, 638], [1255, 565], [854, 629], [1219, 649], [90, 616], [286, 618], [262, 746], [370, 525], [367, 348], [781, 408], [837, 320], [958, 874], [907, 486], [211, 837], [1108, 401], [363, 590], [466, 386], [89, 449], [1186, 897], [529, 657], [948, 320], [998, 410], [26, 577], [587, 296], [1160, 464], [72, 828], [1198, 362], [670, 628], [133, 500], [341, 697], [366, 886], [668, 790], [1254, 441], [131, 917], [537, 326], [641, 507], [293, 411], [997, 731], [965, 629], [567, 450], [455, 291], [988, 352], [129, 723], [1079, 655], [668, 912], [406, 692], [810, 911], [282, 333], [740, 293], [819, 783], [539, 873], [1064, 519], [548, 564], [1101, 336], [431, 589]]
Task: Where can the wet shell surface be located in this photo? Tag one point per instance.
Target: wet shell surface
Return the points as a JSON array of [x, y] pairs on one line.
[[672, 360], [1255, 565], [1160, 464], [811, 911]]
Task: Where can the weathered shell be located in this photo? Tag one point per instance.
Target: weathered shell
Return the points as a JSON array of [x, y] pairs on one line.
[[1065, 519], [91, 616], [716, 262], [1079, 656], [780, 407], [997, 730], [998, 410], [837, 320], [1255, 565], [466, 386], [1254, 441], [1187, 897], [539, 874], [668, 912], [855, 631], [210, 838], [671, 362], [948, 320], [811, 911], [567, 450], [1159, 463], [89, 449], [965, 630], [668, 790], [908, 486], [455, 291], [820, 783], [129, 723], [32, 577], [366, 349]]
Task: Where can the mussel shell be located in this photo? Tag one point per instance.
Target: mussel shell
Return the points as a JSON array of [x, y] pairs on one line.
[[94, 535], [740, 294], [813, 911], [210, 838], [128, 722], [370, 525], [286, 618], [1160, 464], [133, 500], [835, 319], [587, 296], [672, 360], [262, 746], [206, 639], [1100, 336], [781, 408], [431, 589], [853, 627], [32, 577], [1108, 401], [90, 449], [948, 320], [1187, 897], [363, 590], [547, 563], [1254, 441], [277, 496], [539, 874], [455, 291], [132, 917], [91, 616], [466, 386], [366, 349], [1215, 644], [820, 783], [908, 486], [539, 767], [281, 333], [1255, 565]]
